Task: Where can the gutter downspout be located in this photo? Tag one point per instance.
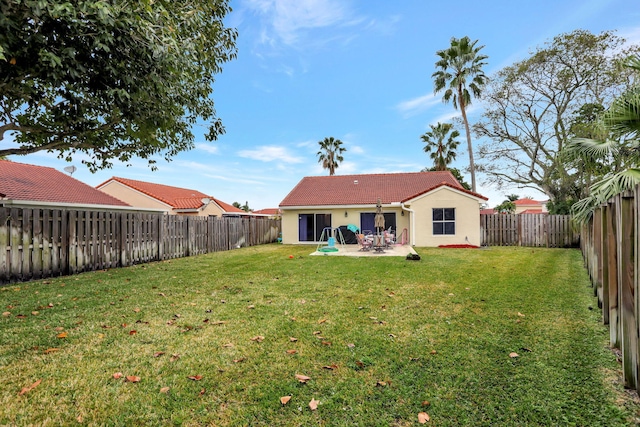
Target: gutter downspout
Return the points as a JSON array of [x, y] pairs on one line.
[[412, 221]]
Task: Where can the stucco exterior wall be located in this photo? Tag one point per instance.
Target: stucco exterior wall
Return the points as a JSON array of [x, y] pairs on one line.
[[290, 233], [140, 200], [133, 197], [467, 220]]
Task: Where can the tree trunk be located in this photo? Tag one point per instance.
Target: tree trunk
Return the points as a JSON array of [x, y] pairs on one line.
[[472, 165]]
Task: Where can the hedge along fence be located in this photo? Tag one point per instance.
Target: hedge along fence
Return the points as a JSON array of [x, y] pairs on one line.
[[41, 243], [534, 230], [610, 247]]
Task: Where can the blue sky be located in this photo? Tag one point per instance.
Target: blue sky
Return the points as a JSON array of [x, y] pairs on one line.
[[357, 70]]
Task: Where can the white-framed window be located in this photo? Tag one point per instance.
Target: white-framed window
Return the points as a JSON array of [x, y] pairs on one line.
[[444, 221]]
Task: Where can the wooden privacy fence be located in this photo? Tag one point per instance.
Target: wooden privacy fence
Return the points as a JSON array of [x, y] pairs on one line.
[[537, 230], [41, 243], [610, 247]]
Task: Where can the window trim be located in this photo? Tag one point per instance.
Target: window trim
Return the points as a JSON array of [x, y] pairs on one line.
[[443, 222]]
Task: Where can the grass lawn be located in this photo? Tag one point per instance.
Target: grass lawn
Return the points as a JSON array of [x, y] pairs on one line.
[[219, 339]]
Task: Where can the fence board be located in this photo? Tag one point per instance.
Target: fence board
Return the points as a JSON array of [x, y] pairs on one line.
[[538, 230], [40, 243]]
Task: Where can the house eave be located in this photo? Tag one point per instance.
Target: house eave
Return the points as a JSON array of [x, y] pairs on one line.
[[36, 203], [359, 206]]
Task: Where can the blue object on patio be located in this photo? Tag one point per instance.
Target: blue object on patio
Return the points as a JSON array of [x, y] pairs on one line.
[[331, 242], [353, 228]]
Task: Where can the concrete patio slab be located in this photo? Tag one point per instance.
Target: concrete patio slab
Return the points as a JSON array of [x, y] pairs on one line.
[[354, 250]]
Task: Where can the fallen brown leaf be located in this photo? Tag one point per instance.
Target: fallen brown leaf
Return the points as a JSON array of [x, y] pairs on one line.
[[423, 418], [228, 345], [316, 332], [251, 307], [258, 338], [6, 314], [302, 378], [520, 314], [195, 377], [218, 322], [513, 354], [158, 353], [292, 351], [313, 405], [203, 391], [133, 379], [136, 310], [351, 345], [35, 313], [164, 390], [117, 375], [133, 332], [330, 367], [434, 352], [174, 357], [161, 294], [51, 350], [285, 399], [327, 343], [426, 403], [292, 339], [242, 359], [26, 390], [381, 384], [321, 321], [61, 335]]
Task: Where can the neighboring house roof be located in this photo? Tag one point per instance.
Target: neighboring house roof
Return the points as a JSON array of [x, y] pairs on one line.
[[487, 211], [176, 197], [367, 188], [527, 202], [268, 211], [533, 211], [23, 182]]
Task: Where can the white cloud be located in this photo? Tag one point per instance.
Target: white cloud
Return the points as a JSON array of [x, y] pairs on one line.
[[270, 153], [287, 18], [209, 148], [356, 149], [419, 104]]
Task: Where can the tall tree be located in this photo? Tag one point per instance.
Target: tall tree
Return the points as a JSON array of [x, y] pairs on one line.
[[112, 79], [441, 144], [330, 154], [459, 73], [618, 155], [531, 110]]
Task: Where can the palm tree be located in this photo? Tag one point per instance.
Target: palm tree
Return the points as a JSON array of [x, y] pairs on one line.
[[459, 70], [622, 148], [330, 154], [441, 145]]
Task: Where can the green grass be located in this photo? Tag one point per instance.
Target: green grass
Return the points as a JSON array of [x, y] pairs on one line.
[[438, 330]]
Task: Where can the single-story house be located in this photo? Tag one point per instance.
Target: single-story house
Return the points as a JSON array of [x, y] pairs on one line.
[[421, 208], [530, 206], [30, 186], [172, 200]]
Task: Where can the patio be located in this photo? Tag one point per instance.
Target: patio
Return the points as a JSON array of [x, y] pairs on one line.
[[354, 251]]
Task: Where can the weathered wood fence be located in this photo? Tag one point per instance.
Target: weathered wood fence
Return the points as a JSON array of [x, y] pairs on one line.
[[537, 230], [610, 247], [40, 243]]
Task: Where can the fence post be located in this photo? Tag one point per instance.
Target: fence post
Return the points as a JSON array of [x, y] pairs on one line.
[[629, 331]]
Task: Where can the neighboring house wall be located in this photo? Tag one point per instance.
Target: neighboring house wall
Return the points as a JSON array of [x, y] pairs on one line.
[[467, 217], [141, 200], [133, 197]]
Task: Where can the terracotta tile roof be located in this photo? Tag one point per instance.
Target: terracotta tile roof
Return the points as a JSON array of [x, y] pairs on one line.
[[176, 197], [20, 181], [228, 208], [527, 202], [533, 211], [268, 211], [366, 189], [487, 211]]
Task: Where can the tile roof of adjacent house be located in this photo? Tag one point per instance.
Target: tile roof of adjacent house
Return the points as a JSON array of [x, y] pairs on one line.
[[268, 211], [366, 189], [527, 202], [533, 211], [487, 212], [24, 182], [176, 197]]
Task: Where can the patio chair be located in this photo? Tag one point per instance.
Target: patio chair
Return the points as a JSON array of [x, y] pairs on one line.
[[364, 244]]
